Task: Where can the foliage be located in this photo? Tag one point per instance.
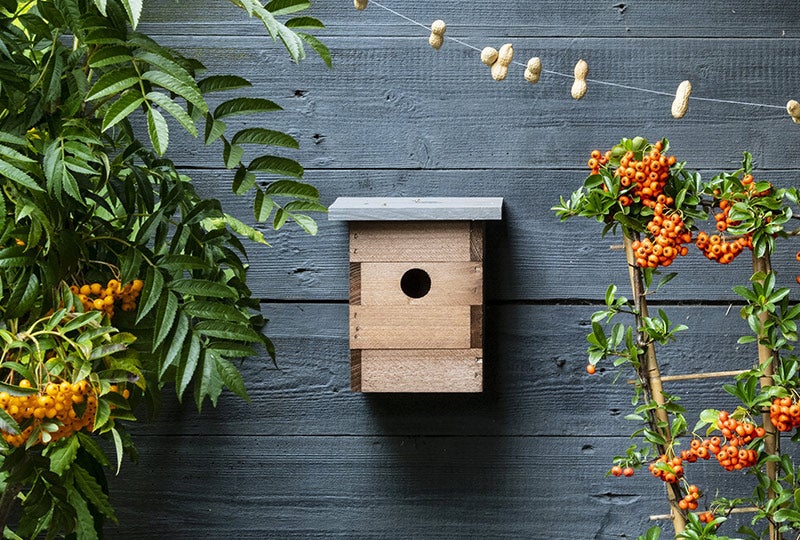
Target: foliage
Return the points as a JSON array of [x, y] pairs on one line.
[[116, 276], [748, 214]]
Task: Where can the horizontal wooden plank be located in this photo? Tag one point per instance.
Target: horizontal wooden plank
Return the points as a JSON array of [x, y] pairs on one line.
[[396, 103], [421, 370], [247, 486], [412, 241], [648, 18], [530, 255], [535, 383], [415, 208], [451, 284], [410, 327]]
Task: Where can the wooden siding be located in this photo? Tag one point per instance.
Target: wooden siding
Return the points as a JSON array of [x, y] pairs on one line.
[[524, 459]]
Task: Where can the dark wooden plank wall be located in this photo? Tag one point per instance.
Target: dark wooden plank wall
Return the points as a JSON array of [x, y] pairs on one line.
[[308, 458]]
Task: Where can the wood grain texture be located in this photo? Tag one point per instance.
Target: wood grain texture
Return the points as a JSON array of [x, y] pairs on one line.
[[548, 18], [530, 255], [424, 241], [535, 383], [422, 370], [452, 284], [255, 487], [443, 110], [410, 327], [526, 458]]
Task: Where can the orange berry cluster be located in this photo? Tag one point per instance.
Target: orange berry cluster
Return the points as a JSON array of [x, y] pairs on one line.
[[784, 414], [706, 517], [597, 160], [618, 470], [95, 296], [733, 456], [717, 248], [646, 177], [669, 236], [54, 404], [689, 501], [671, 473], [700, 449]]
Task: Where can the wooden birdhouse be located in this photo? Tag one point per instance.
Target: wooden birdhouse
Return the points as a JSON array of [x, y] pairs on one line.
[[416, 292]]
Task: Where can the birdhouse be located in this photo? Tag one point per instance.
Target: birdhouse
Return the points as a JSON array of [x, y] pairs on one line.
[[416, 292]]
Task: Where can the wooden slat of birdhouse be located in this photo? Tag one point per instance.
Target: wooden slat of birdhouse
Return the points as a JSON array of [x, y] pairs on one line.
[[421, 370], [452, 284], [424, 241], [410, 327]]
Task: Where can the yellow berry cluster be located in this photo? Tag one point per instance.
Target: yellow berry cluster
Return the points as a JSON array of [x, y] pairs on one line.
[[52, 404], [95, 296], [55, 404]]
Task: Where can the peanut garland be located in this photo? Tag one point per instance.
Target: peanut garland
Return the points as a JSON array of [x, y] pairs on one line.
[[438, 28]]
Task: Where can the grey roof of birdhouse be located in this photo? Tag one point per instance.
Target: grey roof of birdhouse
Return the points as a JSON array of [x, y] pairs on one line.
[[416, 209]]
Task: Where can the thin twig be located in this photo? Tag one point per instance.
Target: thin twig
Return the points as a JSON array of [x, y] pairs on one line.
[[693, 376], [742, 510]]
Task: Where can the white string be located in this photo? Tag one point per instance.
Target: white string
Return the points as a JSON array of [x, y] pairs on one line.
[[594, 81]]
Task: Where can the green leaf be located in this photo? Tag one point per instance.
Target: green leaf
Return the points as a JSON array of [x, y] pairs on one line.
[[176, 86], [264, 136], [18, 176], [308, 224], [203, 288], [175, 110], [244, 105], [122, 108], [118, 447], [187, 365], [62, 456], [214, 310], [208, 382], [8, 424], [222, 83], [320, 48], [101, 6], [243, 181], [165, 317], [305, 206], [293, 189], [158, 130], [230, 376], [10, 153], [285, 7], [214, 128], [84, 522], [112, 83], [276, 165], [232, 155], [172, 355], [82, 319], [305, 23], [151, 291], [134, 10], [227, 330], [280, 219], [107, 56], [25, 293], [263, 206], [92, 448], [89, 487]]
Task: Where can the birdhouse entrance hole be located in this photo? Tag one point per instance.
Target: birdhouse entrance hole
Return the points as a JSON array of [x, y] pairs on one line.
[[415, 283]]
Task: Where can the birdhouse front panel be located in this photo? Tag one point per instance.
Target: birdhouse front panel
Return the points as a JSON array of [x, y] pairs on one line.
[[416, 300]]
